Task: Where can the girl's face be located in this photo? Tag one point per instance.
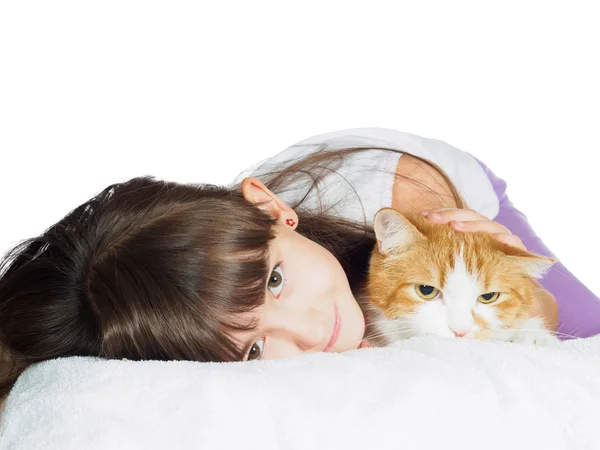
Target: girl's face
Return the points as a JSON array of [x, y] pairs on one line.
[[308, 306]]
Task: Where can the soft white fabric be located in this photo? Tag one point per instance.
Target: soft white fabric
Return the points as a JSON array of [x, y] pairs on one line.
[[419, 394], [365, 179]]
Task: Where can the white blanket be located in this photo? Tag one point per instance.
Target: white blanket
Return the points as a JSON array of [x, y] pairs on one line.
[[418, 394]]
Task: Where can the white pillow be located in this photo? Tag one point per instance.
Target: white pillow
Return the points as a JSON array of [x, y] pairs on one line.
[[419, 393]]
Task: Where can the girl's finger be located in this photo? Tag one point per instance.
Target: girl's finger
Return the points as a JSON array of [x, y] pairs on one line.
[[448, 214], [436, 210], [470, 220], [427, 211], [485, 226]]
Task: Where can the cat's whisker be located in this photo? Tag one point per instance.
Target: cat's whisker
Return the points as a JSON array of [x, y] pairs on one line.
[[396, 332], [392, 337], [390, 324], [395, 326], [566, 335], [567, 276], [386, 334], [554, 333], [386, 320], [400, 327]]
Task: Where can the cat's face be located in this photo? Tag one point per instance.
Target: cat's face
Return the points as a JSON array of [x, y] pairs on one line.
[[427, 278]]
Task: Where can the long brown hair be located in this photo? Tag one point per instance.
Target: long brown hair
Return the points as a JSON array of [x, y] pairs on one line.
[[154, 269]]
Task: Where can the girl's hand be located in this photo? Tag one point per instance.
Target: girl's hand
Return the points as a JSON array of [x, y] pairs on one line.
[[470, 220]]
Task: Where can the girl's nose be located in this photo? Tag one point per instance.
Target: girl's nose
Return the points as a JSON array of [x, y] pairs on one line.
[[308, 329]]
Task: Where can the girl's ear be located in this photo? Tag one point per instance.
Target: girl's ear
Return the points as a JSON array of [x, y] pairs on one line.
[[257, 193]]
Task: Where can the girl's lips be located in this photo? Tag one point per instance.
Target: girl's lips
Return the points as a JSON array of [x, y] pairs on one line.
[[336, 330]]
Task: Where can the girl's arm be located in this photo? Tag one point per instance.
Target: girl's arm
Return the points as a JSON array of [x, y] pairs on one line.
[[418, 187]]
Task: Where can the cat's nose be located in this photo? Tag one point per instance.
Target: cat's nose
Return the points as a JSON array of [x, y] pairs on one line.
[[460, 333]]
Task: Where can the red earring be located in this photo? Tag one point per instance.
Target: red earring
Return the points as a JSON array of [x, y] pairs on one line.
[[290, 222]]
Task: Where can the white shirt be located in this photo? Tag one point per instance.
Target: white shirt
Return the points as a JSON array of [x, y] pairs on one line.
[[365, 179]]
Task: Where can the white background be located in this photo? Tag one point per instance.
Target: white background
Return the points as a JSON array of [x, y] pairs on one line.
[[95, 93]]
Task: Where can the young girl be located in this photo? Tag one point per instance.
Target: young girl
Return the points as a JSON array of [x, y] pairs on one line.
[[264, 268]]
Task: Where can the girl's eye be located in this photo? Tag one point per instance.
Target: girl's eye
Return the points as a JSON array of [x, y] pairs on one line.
[[256, 350], [490, 297], [426, 292], [276, 281]]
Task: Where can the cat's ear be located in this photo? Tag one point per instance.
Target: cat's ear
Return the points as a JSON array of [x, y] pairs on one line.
[[394, 231], [534, 265]]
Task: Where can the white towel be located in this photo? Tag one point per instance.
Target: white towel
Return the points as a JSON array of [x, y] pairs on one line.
[[423, 393]]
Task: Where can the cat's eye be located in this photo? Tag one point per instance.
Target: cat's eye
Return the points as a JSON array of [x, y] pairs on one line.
[[427, 292], [490, 297]]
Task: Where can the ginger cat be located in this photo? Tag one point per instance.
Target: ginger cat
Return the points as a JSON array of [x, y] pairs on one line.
[[427, 278]]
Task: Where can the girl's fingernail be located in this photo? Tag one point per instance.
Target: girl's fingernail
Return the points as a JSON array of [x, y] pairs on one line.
[[424, 212], [436, 216], [459, 224]]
